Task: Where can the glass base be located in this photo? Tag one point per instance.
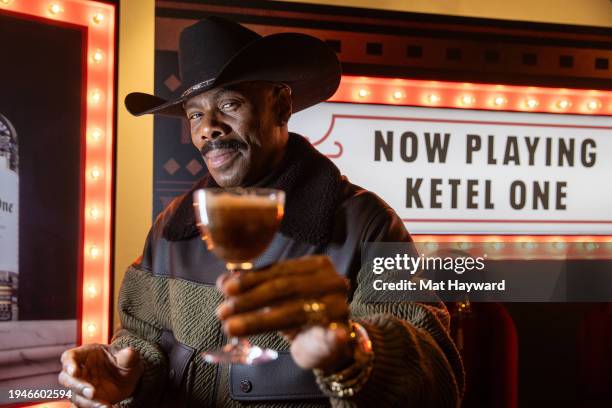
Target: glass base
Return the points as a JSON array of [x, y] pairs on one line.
[[240, 351]]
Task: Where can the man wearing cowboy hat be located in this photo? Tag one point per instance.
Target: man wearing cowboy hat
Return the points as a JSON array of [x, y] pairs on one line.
[[238, 92]]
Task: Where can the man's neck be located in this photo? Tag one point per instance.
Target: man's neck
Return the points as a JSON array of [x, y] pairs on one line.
[[274, 169]]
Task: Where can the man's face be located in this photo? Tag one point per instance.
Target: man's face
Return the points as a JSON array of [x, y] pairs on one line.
[[240, 130]]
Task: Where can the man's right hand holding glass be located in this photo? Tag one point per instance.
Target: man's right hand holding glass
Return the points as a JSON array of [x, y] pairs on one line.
[[98, 376]]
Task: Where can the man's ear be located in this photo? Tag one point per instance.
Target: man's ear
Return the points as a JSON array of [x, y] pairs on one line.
[[283, 104]]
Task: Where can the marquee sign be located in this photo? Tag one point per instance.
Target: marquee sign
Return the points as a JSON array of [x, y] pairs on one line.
[[467, 171]]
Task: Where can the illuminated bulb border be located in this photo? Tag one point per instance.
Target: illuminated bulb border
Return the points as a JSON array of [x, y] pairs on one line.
[[98, 19], [479, 96]]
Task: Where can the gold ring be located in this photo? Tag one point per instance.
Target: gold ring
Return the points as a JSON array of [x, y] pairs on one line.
[[315, 313]]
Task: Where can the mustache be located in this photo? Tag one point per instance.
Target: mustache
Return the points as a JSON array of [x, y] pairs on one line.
[[223, 144]]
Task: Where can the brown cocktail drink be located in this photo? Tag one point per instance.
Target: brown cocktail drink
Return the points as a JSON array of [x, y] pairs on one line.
[[238, 225], [240, 228]]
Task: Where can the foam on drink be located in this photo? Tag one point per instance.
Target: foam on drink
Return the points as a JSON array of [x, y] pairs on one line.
[[241, 227]]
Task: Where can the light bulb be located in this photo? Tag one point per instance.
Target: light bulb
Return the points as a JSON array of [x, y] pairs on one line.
[[563, 103], [94, 251], [433, 98], [593, 104], [398, 95], [91, 329], [96, 134], [95, 173], [530, 245], [95, 96], [432, 246], [531, 103], [6, 2], [55, 8], [363, 93], [98, 18], [92, 291], [500, 101], [559, 245], [467, 100], [496, 245], [94, 212], [97, 56]]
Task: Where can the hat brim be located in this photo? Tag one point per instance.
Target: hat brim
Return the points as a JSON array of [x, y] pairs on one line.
[[305, 63]]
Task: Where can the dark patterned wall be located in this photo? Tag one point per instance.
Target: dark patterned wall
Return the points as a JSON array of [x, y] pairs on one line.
[[176, 163]]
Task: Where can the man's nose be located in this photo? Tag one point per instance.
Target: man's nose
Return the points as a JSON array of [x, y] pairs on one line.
[[213, 128]]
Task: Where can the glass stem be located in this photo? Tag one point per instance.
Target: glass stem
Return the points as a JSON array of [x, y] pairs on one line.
[[235, 270]]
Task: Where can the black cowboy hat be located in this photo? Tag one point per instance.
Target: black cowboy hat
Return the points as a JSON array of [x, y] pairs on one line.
[[216, 51]]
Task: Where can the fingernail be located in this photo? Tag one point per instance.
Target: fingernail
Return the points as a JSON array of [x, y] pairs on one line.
[[70, 369], [224, 309], [88, 392], [221, 281]]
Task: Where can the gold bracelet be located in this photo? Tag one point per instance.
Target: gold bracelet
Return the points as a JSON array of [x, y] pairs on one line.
[[350, 380]]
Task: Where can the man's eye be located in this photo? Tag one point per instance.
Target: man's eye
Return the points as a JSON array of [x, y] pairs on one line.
[[227, 106], [194, 116]]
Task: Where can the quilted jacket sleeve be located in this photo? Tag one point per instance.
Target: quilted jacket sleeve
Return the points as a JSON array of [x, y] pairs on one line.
[[416, 363], [141, 297]]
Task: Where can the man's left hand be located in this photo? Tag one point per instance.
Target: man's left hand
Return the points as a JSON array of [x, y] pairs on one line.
[[274, 299]]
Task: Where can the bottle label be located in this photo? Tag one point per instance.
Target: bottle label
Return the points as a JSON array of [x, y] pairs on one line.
[[9, 217]]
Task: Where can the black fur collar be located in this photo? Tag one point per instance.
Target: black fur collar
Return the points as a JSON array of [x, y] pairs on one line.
[[311, 183]]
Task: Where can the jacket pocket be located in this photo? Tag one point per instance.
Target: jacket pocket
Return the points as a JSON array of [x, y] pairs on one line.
[[280, 380], [179, 356]]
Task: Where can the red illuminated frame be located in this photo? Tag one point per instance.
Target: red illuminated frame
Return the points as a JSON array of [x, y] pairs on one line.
[[99, 21], [422, 93], [472, 96]]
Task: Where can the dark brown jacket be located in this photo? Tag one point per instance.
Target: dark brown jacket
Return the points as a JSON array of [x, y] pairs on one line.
[[167, 306]]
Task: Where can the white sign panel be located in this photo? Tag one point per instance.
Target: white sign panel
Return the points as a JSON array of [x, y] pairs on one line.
[[476, 172]]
